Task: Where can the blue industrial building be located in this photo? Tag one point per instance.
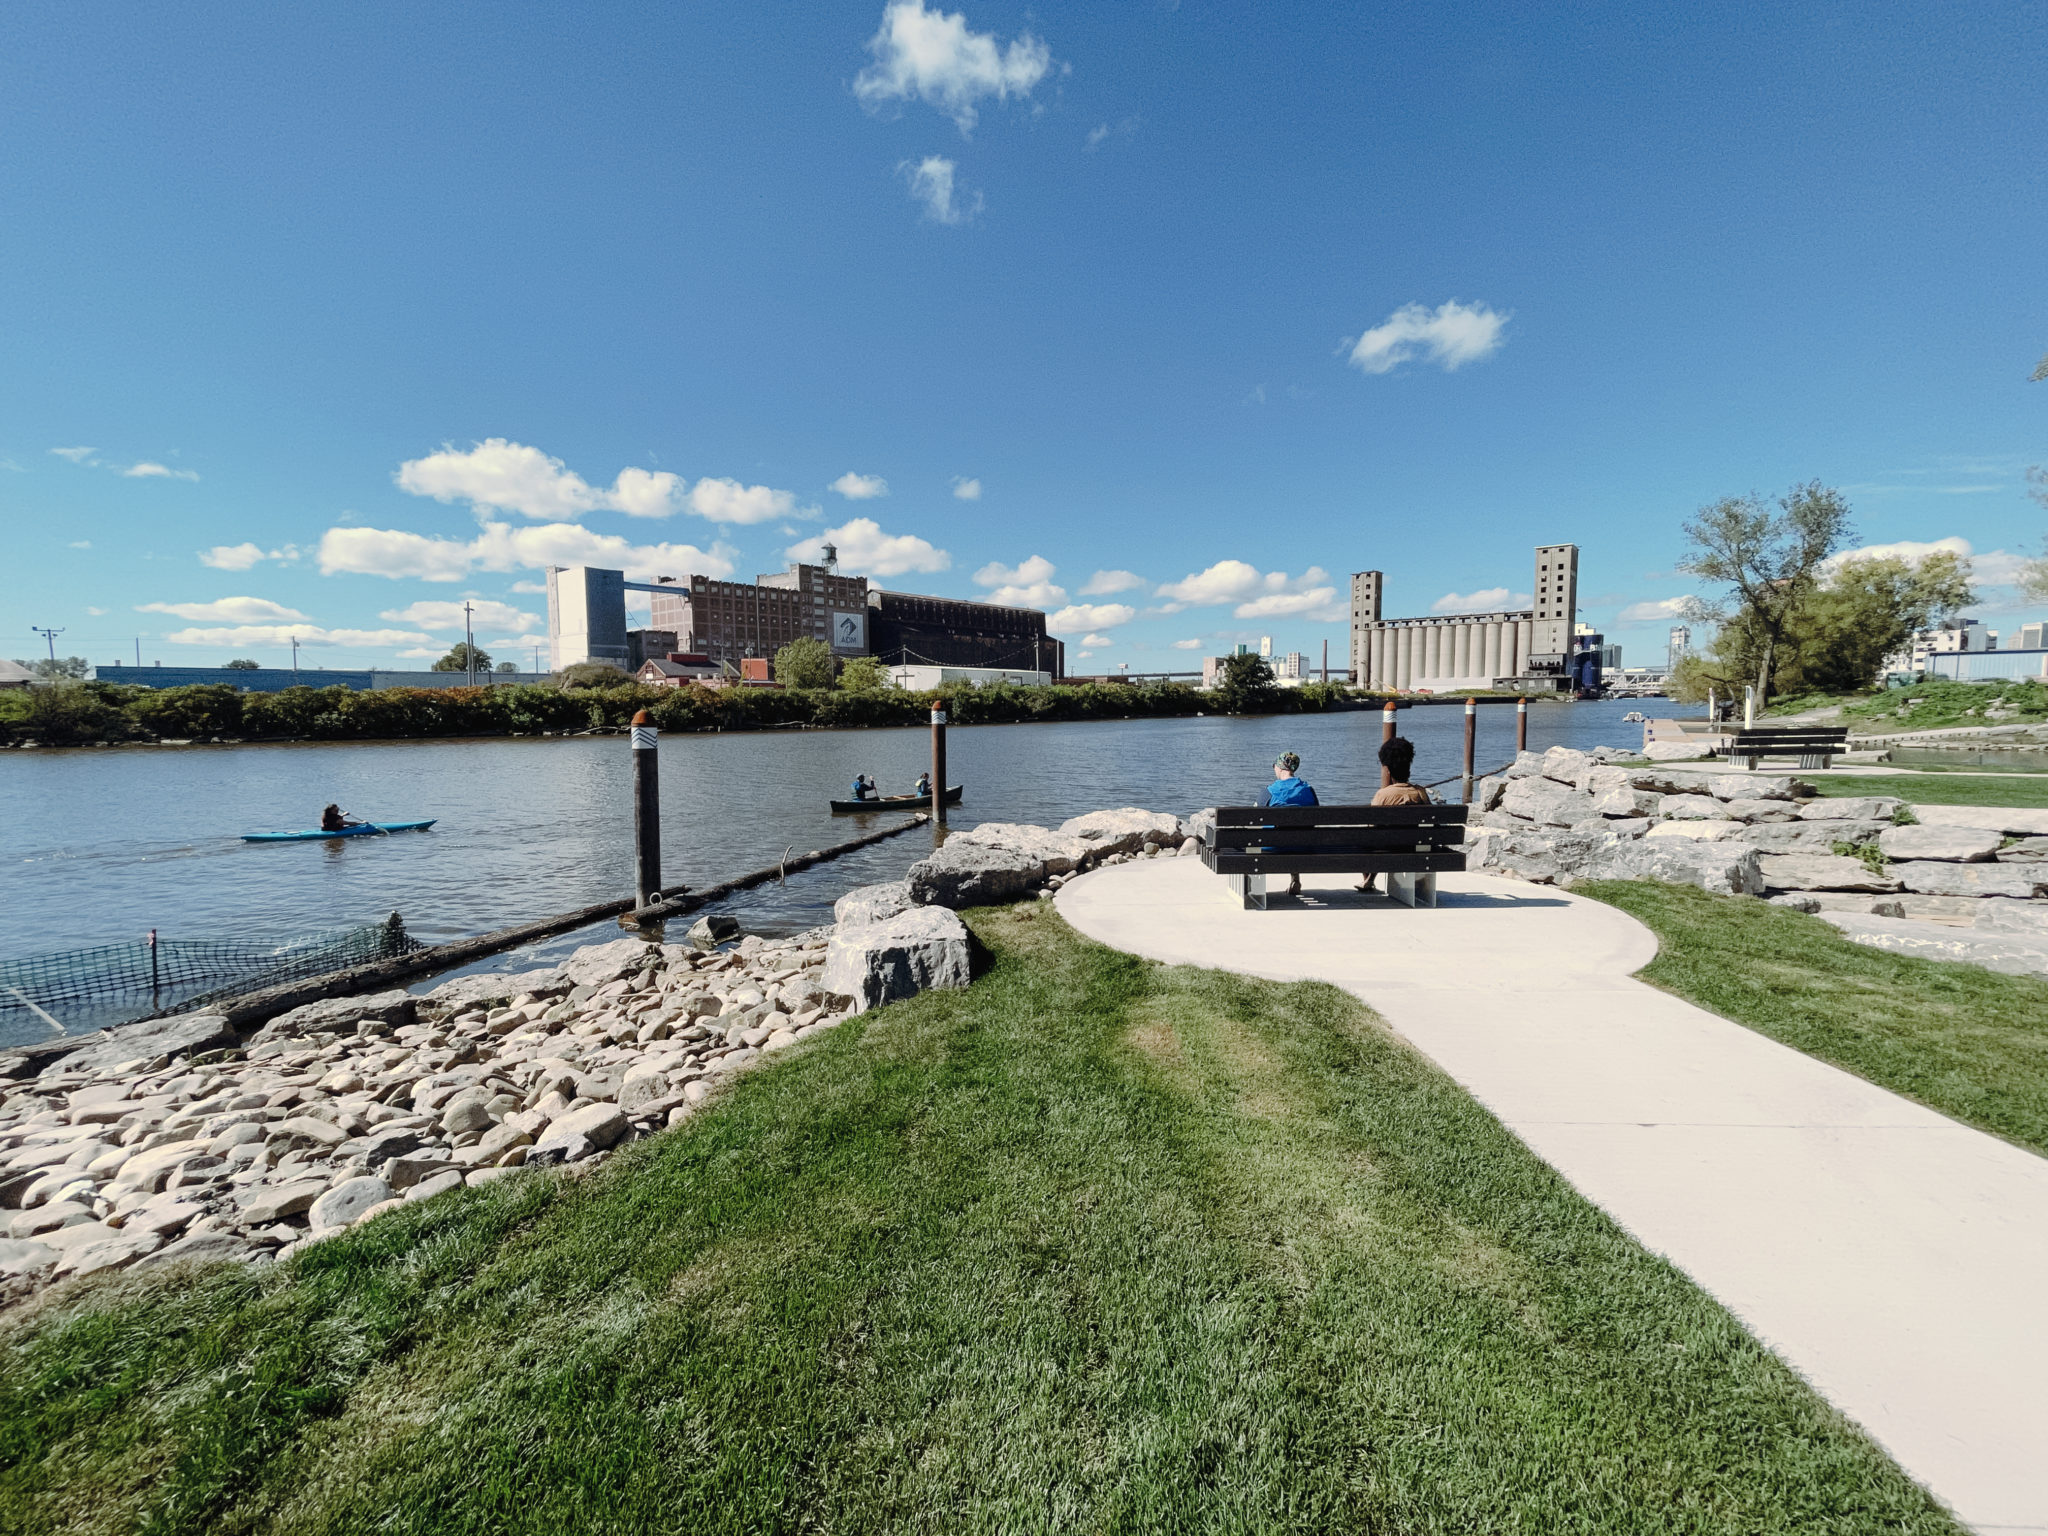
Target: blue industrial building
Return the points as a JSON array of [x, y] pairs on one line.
[[277, 679]]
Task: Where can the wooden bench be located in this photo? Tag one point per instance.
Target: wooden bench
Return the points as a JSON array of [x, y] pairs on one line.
[[1409, 844], [1814, 746]]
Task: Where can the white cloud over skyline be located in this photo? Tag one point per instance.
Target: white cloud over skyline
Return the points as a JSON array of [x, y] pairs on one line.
[[1654, 610], [863, 547], [432, 614], [1026, 585], [1485, 600], [306, 634], [396, 553], [499, 475], [227, 610], [931, 183], [1450, 336], [966, 488], [75, 455], [150, 470], [930, 56], [858, 487], [1258, 595], [1107, 583], [1087, 616], [241, 557]]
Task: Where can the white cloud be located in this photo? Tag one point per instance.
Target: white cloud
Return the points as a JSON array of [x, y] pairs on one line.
[[931, 183], [147, 470], [965, 489], [530, 588], [1101, 133], [727, 501], [864, 547], [506, 476], [935, 58], [1029, 585], [306, 634], [1654, 610], [1087, 616], [1995, 568], [240, 557], [1096, 640], [1187, 645], [98, 613], [1082, 655], [75, 455], [226, 610], [430, 614], [395, 553], [79, 544], [1452, 335], [1231, 581], [857, 487], [1486, 600], [1315, 603], [1103, 583]]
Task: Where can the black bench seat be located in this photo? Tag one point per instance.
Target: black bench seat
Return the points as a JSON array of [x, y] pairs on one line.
[[1410, 844], [1815, 746]]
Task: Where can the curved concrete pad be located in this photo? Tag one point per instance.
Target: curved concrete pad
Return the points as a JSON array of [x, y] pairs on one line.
[[1895, 1258]]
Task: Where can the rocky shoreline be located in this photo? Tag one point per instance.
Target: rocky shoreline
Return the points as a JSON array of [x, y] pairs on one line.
[[181, 1140]]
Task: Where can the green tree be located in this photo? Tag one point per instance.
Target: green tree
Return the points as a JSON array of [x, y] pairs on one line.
[[463, 658], [59, 669], [1246, 687], [1867, 610], [804, 663], [1768, 562], [590, 674], [508, 666], [863, 674], [239, 664]]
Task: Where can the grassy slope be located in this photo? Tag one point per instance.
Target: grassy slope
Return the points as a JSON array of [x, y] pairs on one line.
[[1955, 788], [1966, 1041], [1093, 1245]]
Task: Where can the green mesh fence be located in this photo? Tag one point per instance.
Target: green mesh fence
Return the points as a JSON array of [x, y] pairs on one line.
[[45, 995]]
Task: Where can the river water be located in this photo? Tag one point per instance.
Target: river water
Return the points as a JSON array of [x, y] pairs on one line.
[[99, 845]]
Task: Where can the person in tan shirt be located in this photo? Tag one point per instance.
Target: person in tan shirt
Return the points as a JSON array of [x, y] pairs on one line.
[[1397, 756]]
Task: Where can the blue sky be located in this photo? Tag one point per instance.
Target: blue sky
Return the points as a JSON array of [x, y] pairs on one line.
[[343, 317]]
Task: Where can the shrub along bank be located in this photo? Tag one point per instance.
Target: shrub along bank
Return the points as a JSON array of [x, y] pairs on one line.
[[74, 714]]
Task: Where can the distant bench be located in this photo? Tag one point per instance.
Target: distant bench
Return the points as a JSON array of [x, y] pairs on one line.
[[1814, 746], [1409, 844]]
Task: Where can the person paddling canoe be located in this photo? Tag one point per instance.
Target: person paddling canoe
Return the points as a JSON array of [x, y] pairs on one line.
[[332, 820]]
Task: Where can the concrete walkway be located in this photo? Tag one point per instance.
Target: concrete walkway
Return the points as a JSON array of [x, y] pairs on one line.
[[1896, 1259]]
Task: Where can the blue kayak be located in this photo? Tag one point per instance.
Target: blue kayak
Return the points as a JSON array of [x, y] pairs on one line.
[[367, 829]]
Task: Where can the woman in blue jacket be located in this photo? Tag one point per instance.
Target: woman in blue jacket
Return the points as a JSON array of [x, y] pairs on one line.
[[1288, 789]]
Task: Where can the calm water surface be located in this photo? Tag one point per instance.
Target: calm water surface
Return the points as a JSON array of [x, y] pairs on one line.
[[98, 845]]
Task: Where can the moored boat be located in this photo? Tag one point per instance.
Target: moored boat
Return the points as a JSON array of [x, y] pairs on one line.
[[894, 803]]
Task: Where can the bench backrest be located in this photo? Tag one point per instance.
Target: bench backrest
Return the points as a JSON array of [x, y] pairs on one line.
[[1782, 738], [1338, 828]]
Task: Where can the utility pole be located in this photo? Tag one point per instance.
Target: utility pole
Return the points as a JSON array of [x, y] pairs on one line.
[[51, 636], [295, 659], [138, 650], [468, 647]]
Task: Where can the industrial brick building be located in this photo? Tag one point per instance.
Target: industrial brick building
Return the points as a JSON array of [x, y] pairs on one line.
[[729, 621]]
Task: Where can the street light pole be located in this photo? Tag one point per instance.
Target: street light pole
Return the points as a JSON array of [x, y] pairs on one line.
[[51, 636], [468, 648], [295, 660]]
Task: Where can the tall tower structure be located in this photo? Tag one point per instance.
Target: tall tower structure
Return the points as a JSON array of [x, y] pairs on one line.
[[1557, 599], [1366, 591]]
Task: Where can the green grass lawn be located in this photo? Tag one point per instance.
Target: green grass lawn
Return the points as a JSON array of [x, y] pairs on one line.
[[1094, 1245], [1932, 705], [1969, 1042], [1941, 787]]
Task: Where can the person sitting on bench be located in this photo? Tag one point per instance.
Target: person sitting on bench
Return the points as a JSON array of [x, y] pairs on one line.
[[1397, 756], [1288, 789]]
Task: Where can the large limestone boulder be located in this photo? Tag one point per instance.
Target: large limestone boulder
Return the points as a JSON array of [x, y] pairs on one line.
[[1936, 877], [1060, 852], [1545, 802], [1694, 808], [2024, 917], [464, 992], [1823, 872], [1957, 845], [579, 1134], [1654, 781], [872, 903], [1527, 764], [1563, 765], [185, 1034], [1123, 831], [596, 964], [2013, 954], [1545, 857], [901, 957], [341, 1014], [1761, 810], [1722, 866], [1702, 831], [973, 875], [1680, 751], [1804, 836], [1850, 808], [342, 1205], [1619, 800], [1487, 793], [1749, 786]]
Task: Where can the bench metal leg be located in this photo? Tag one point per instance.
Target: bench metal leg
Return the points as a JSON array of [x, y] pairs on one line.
[[1413, 890], [1249, 889], [1816, 760]]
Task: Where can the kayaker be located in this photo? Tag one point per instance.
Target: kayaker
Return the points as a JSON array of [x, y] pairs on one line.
[[1288, 788], [332, 820]]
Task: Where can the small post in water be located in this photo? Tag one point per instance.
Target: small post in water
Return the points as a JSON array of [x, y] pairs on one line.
[[1386, 735], [155, 984], [1521, 725], [646, 813], [938, 764], [1471, 741]]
